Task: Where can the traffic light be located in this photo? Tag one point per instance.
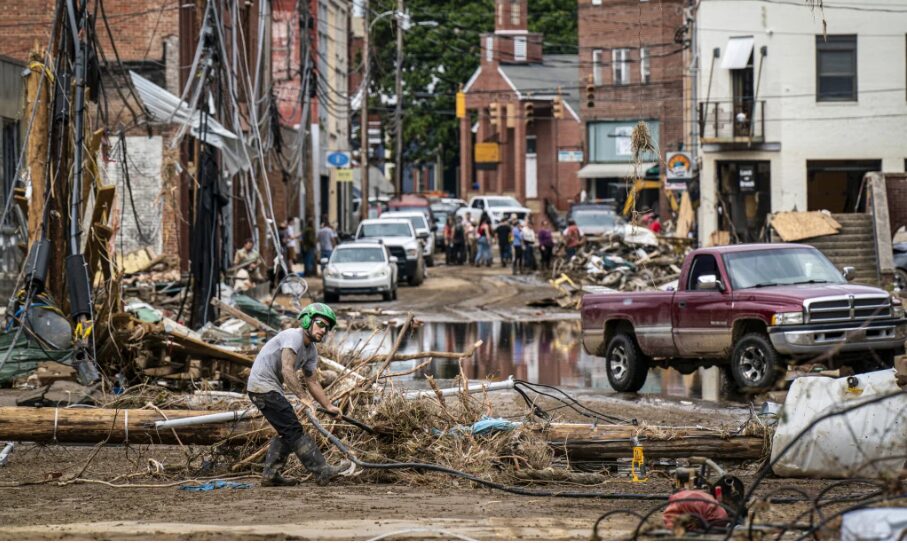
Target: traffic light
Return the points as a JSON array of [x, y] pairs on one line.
[[557, 107], [528, 112], [494, 111], [590, 92]]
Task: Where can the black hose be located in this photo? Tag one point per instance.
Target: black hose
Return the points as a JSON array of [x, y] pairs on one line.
[[463, 475]]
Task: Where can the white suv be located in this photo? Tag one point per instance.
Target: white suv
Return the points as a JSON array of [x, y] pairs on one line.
[[422, 228], [360, 268], [400, 239]]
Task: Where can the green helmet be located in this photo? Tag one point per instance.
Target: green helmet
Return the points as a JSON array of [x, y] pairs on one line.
[[317, 309]]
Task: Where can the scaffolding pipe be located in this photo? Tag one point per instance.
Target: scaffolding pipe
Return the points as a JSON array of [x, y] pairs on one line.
[[227, 416], [472, 389], [4, 454]]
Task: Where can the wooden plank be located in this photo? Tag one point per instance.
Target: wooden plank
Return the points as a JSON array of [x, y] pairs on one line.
[[233, 312], [104, 198], [193, 345], [797, 225], [685, 217], [44, 425], [600, 442]]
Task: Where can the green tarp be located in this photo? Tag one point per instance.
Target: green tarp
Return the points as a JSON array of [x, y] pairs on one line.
[[25, 356]]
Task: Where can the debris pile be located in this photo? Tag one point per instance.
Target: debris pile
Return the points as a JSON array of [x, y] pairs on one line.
[[633, 261]]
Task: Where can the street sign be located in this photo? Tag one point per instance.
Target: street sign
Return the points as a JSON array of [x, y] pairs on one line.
[[679, 166], [461, 105], [487, 152], [746, 175], [569, 156], [338, 159], [344, 175]]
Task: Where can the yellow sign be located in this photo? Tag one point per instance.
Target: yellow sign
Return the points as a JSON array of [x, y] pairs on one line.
[[343, 175], [461, 105], [487, 152]]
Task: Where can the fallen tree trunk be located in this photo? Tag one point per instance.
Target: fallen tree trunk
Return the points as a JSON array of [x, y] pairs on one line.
[[116, 426], [607, 442]]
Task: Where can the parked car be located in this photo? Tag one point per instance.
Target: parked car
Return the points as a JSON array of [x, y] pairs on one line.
[[748, 308], [411, 202], [497, 207], [424, 231], [900, 268], [400, 239], [596, 219], [360, 267]]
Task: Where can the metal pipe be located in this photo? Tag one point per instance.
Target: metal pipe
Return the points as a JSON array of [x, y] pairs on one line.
[[472, 389], [228, 416], [4, 454]]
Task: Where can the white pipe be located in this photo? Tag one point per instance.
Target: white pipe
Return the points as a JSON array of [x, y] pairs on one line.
[[336, 366], [228, 416], [4, 454], [473, 388]]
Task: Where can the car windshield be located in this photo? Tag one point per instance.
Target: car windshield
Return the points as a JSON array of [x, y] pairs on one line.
[[502, 202], [420, 209], [418, 221], [776, 267], [586, 219], [384, 230], [357, 254]]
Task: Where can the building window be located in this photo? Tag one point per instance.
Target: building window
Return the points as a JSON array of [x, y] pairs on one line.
[[515, 12], [489, 48], [500, 14], [836, 68], [596, 2], [645, 69], [519, 48], [620, 66], [597, 67]]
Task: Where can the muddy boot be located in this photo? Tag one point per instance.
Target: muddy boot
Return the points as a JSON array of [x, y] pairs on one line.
[[314, 461], [275, 460]]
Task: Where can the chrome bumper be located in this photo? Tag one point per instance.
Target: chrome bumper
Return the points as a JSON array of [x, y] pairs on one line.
[[806, 341]]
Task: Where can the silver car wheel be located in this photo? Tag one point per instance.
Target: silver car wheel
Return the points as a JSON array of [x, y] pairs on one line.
[[618, 363], [752, 364]]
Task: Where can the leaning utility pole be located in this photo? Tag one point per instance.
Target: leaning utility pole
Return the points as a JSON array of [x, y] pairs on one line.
[[398, 110], [305, 175], [363, 117]]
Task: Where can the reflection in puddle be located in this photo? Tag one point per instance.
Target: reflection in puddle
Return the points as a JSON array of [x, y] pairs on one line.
[[549, 353]]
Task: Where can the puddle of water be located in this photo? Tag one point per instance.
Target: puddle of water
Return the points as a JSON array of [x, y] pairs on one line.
[[548, 352]]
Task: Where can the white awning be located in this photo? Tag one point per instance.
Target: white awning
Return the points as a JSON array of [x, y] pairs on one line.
[[737, 53], [621, 170]]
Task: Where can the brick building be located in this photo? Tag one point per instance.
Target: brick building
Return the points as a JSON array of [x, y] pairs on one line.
[[521, 134], [629, 56]]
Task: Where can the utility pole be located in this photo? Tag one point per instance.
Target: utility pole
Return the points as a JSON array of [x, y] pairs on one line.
[[398, 110], [304, 171], [363, 117]]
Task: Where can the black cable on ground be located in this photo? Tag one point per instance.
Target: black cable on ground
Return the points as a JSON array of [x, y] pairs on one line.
[[463, 475], [568, 401]]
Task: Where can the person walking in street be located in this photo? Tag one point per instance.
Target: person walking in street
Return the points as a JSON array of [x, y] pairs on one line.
[[483, 241], [573, 238], [459, 242], [309, 244], [529, 241], [517, 234], [326, 238], [274, 368], [470, 238], [546, 245], [448, 240], [502, 233]]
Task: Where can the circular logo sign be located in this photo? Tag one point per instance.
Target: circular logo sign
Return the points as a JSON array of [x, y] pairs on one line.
[[338, 159]]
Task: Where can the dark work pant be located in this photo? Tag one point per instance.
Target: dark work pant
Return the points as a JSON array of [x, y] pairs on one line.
[[546, 256], [279, 413]]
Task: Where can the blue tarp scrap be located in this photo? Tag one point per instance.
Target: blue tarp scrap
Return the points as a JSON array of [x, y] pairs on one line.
[[484, 426], [214, 485]]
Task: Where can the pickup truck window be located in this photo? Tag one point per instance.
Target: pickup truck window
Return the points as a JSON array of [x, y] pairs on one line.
[[478, 204], [702, 265], [775, 267], [503, 202], [385, 230]]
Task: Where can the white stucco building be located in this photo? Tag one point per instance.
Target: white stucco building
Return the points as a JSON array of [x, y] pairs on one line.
[[790, 118]]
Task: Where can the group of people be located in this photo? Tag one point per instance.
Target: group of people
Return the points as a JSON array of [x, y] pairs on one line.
[[516, 240], [249, 268]]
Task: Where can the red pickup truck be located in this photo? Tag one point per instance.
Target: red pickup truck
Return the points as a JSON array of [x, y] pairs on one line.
[[748, 308]]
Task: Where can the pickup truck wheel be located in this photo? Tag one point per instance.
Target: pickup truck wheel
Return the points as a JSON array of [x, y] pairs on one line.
[[755, 362], [627, 368]]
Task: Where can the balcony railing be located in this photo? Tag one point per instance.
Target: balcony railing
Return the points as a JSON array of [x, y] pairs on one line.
[[732, 121]]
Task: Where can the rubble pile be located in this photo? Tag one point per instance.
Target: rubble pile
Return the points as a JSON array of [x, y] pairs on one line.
[[628, 263]]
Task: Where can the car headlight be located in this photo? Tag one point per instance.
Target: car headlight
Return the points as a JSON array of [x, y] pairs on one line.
[[897, 308], [793, 317], [378, 273], [331, 271], [412, 254]]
